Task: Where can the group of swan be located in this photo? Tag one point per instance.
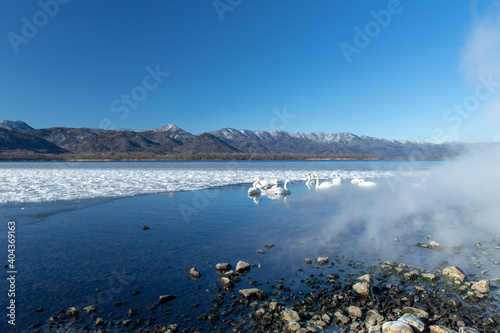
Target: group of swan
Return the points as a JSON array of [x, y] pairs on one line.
[[269, 188], [315, 181], [272, 189]]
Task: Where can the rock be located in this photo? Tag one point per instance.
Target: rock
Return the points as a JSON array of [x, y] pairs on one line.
[[434, 244], [367, 278], [269, 246], [412, 275], [213, 318], [72, 311], [223, 266], [290, 315], [421, 314], [375, 329], [135, 293], [145, 227], [326, 318], [117, 303], [274, 307], [429, 276], [225, 282], [194, 273], [454, 273], [451, 302], [354, 311], [132, 312], [373, 318], [362, 289], [260, 312], [39, 310], [396, 327], [126, 322], [467, 330], [308, 261], [90, 308], [166, 298], [253, 293], [292, 327], [99, 322], [482, 286], [173, 327], [261, 251], [242, 266], [416, 324], [342, 318], [322, 260], [440, 329]]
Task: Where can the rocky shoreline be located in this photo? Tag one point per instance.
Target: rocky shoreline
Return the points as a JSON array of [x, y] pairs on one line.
[[383, 297]]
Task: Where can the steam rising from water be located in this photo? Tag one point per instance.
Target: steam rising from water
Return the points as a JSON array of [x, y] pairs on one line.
[[457, 203]]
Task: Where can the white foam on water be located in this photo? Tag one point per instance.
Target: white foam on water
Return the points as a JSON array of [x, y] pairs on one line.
[[39, 183]]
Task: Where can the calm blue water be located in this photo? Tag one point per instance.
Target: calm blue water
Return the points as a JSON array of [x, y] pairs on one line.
[[94, 251]]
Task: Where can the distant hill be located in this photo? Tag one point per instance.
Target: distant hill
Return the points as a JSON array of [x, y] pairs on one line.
[[14, 140], [207, 143], [15, 125], [170, 139]]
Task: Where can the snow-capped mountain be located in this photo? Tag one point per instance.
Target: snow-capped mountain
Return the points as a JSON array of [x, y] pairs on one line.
[[171, 139], [15, 125], [174, 132]]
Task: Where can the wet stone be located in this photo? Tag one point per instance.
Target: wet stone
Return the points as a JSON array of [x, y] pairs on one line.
[[166, 299], [90, 308], [440, 329], [482, 286], [454, 273], [72, 311], [416, 324], [242, 266], [322, 260], [223, 266], [290, 315], [396, 327], [362, 289], [419, 313], [194, 273], [354, 311]]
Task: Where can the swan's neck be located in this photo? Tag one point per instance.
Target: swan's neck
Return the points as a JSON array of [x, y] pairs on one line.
[[284, 186], [317, 181]]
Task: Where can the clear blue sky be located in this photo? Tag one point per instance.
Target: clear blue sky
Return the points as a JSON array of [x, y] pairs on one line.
[[237, 63]]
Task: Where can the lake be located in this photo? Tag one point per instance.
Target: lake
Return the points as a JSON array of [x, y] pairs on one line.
[[80, 239]]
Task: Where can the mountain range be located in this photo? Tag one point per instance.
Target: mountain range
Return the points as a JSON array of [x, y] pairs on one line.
[[170, 139]]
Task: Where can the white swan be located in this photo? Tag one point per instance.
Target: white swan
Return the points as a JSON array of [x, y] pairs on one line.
[[337, 180], [356, 180], [364, 183], [254, 190], [310, 181], [323, 185], [276, 190], [264, 184]]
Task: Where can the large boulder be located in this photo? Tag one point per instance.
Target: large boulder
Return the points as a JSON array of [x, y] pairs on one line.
[[454, 273], [482, 286], [362, 288]]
